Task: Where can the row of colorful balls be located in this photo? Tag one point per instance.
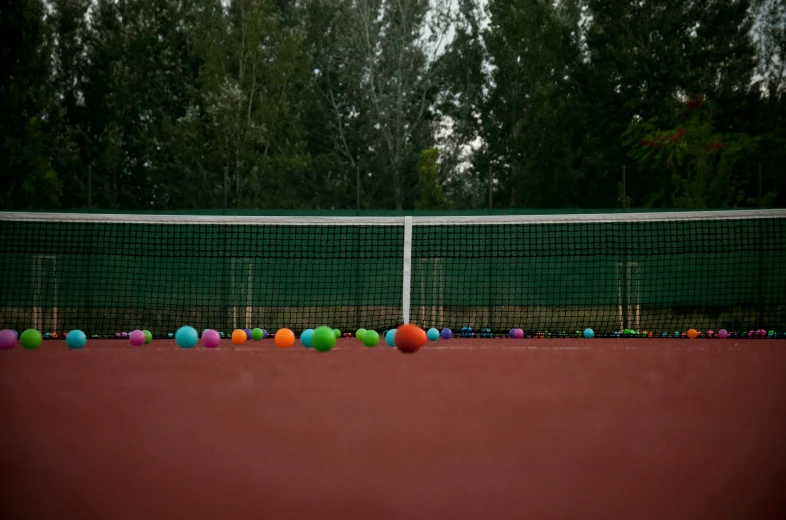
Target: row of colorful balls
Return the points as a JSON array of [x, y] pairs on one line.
[[408, 338], [630, 333]]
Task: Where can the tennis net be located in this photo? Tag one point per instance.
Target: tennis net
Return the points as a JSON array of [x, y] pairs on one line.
[[553, 274]]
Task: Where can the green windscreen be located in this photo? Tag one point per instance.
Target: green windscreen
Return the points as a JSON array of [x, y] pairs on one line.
[[656, 272], [662, 276], [114, 277]]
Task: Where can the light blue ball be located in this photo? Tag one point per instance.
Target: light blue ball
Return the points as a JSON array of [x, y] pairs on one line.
[[589, 333], [432, 334], [186, 337], [390, 338], [76, 339], [305, 338]]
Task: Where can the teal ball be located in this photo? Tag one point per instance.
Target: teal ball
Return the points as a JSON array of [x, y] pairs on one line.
[[305, 338], [186, 337], [76, 339]]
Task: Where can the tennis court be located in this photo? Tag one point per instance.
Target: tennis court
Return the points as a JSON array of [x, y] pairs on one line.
[[548, 426], [559, 428]]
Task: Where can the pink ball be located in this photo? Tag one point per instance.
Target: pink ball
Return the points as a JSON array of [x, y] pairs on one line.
[[137, 338], [710, 333], [7, 339], [723, 334], [761, 333], [518, 333], [211, 338]]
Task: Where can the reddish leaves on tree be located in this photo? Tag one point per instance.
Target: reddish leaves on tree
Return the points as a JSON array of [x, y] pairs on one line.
[[695, 102]]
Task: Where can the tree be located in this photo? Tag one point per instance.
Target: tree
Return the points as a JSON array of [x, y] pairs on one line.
[[696, 163], [27, 102], [378, 79], [431, 196]]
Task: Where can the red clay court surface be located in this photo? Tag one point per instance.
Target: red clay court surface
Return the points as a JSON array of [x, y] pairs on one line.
[[473, 429]]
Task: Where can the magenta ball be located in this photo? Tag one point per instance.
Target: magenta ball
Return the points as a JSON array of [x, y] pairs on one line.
[[723, 334], [211, 338], [710, 333], [518, 333], [761, 333], [7, 339], [137, 338]]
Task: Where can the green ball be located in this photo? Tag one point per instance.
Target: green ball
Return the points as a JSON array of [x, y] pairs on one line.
[[370, 338], [257, 334], [359, 334], [31, 339], [148, 336], [337, 333], [323, 339]]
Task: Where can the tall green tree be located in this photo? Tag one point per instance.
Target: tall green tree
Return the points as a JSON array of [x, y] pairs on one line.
[[29, 123]]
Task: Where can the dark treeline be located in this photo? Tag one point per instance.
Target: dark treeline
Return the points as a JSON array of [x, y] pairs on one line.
[[178, 104]]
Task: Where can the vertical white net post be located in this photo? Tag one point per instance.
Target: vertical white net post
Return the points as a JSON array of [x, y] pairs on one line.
[[407, 271]]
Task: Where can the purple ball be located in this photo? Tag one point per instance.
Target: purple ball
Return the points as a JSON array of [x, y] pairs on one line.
[[518, 333], [7, 339], [446, 333], [723, 334], [137, 338], [248, 333], [211, 338]]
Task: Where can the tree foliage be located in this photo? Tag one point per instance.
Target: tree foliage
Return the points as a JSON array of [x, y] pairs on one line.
[[161, 104]]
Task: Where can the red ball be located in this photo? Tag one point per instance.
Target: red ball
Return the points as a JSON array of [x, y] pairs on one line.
[[409, 338]]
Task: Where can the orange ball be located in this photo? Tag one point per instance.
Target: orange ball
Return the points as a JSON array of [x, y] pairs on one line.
[[239, 337], [285, 338], [409, 338], [693, 333]]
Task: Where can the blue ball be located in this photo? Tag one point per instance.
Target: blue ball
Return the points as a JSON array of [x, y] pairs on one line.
[[76, 339], [466, 332], [305, 338], [589, 333], [248, 333], [447, 333], [486, 333], [264, 333], [432, 334], [221, 334], [390, 338], [186, 337]]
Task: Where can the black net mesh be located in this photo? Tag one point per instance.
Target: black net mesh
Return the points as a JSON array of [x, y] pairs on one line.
[[554, 276]]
